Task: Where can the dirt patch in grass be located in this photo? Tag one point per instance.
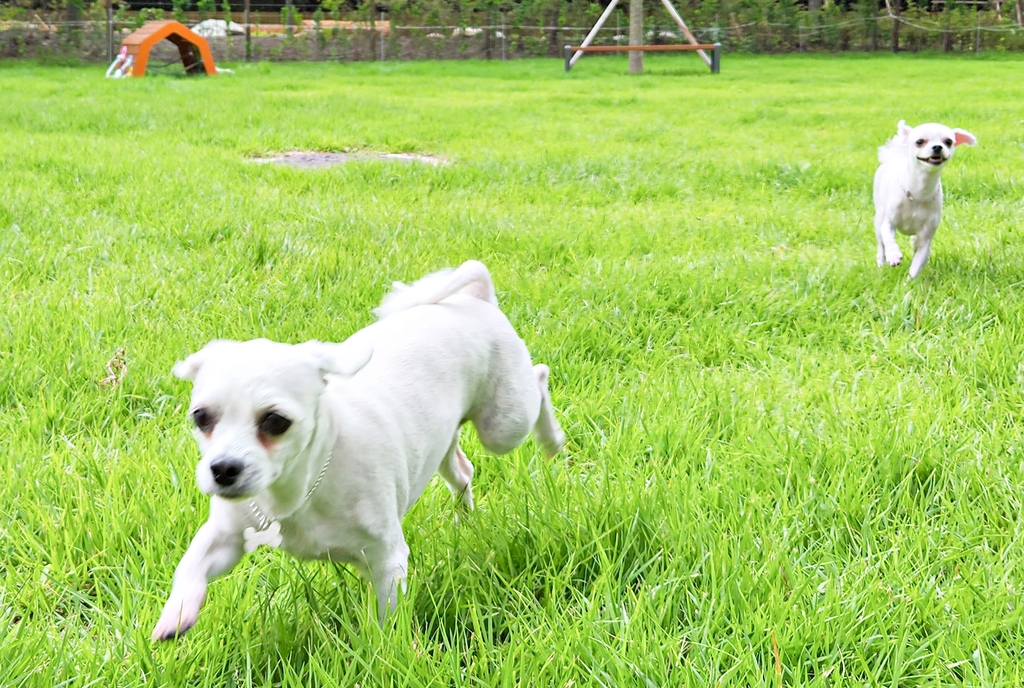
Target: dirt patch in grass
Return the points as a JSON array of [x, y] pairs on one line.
[[306, 160]]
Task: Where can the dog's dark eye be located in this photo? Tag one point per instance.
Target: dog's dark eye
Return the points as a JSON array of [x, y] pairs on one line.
[[919, 143], [949, 144], [203, 419], [273, 424]]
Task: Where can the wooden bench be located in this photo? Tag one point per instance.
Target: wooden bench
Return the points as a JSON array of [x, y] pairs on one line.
[[716, 49]]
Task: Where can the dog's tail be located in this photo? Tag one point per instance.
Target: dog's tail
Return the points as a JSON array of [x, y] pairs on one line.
[[894, 148], [471, 278]]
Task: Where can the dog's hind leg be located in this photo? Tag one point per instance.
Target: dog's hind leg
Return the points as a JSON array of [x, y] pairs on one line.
[[519, 403], [546, 429], [457, 472], [880, 255]]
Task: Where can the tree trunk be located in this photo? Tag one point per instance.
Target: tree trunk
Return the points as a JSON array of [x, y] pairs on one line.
[[554, 50], [895, 26], [110, 31], [74, 19], [1020, 12], [636, 35], [813, 11], [947, 37], [487, 39], [248, 34]]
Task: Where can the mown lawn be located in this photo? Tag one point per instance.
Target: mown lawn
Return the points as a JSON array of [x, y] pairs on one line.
[[785, 466]]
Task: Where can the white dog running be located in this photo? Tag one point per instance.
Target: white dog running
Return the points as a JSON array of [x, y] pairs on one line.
[[908, 191], [322, 448]]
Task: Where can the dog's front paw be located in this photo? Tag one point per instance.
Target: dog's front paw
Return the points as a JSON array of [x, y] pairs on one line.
[[893, 256], [554, 444], [178, 616]]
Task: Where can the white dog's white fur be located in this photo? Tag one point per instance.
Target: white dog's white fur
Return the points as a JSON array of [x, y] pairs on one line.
[[381, 411], [908, 189]]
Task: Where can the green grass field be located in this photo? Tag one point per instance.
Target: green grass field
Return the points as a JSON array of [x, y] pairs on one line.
[[785, 466]]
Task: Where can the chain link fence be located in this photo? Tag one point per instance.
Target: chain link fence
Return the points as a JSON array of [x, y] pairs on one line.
[[93, 32]]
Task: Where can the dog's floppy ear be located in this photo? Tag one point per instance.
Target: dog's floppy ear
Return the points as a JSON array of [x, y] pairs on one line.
[[345, 359], [962, 136], [903, 131], [187, 369]]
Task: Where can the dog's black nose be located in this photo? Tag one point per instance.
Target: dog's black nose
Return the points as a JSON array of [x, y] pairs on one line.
[[226, 471], [937, 148]]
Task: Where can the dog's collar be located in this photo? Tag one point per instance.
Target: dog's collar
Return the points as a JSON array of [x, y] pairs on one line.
[[269, 532], [910, 196]]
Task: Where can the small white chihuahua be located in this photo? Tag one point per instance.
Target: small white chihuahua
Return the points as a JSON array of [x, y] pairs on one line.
[[322, 448], [908, 191]]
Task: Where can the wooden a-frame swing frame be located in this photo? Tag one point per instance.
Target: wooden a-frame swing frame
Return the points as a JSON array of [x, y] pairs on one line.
[[574, 53]]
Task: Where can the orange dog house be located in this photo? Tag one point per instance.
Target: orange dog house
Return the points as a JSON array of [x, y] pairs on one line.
[[194, 50]]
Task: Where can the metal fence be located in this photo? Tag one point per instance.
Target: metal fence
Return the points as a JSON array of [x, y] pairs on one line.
[[95, 34]]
